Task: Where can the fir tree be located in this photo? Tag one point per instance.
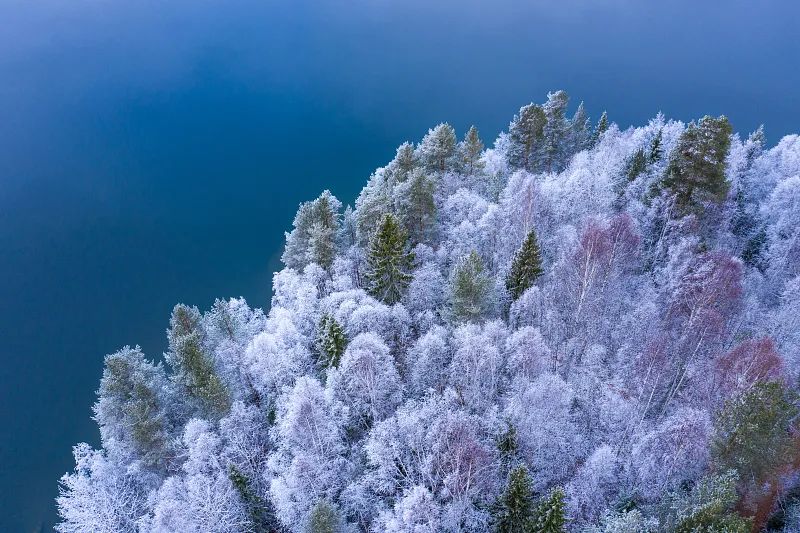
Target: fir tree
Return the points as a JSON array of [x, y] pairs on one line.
[[261, 515], [192, 367], [580, 130], [331, 341], [437, 148], [526, 138], [405, 160], [389, 262], [526, 267], [696, 171], [313, 238], [550, 513], [470, 150], [515, 508], [470, 287]]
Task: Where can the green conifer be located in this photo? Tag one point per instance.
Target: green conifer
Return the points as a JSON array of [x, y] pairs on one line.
[[470, 287], [331, 341], [526, 267], [514, 511], [550, 513], [389, 262]]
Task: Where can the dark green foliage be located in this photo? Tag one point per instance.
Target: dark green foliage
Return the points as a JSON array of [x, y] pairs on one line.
[[636, 165], [753, 431], [696, 171], [130, 406], [192, 367], [550, 513], [526, 138], [470, 285], [331, 341], [526, 267], [389, 262], [556, 131], [437, 148], [507, 443], [580, 130], [753, 251], [262, 517], [324, 519], [514, 511], [707, 508], [656, 151]]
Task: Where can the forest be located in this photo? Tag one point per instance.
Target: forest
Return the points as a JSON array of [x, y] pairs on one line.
[[578, 328]]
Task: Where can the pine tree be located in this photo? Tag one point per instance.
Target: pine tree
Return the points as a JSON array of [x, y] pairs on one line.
[[526, 267], [696, 171], [261, 514], [415, 206], [331, 341], [313, 237], [437, 148], [470, 287], [405, 160], [132, 406], [556, 131], [389, 262], [526, 138], [600, 129], [192, 367], [470, 150], [515, 508], [550, 513]]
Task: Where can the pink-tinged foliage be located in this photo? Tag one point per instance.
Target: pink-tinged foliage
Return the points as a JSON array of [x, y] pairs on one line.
[[745, 365]]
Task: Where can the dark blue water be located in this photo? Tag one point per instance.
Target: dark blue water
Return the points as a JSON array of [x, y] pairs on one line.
[[154, 152]]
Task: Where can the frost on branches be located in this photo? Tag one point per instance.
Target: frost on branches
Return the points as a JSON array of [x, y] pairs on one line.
[[576, 328]]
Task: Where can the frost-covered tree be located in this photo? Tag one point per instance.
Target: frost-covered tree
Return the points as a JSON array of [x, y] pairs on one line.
[[437, 150], [550, 513], [192, 368], [526, 138], [515, 510], [389, 262], [470, 150], [330, 342], [313, 238], [470, 289], [415, 206]]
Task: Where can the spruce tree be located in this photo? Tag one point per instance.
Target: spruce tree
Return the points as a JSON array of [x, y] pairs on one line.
[[192, 368], [556, 131], [437, 148], [580, 130], [550, 513], [470, 150], [656, 150], [470, 286], [696, 171], [389, 262], [514, 511], [313, 237], [331, 341], [404, 161], [526, 138], [324, 518], [526, 267]]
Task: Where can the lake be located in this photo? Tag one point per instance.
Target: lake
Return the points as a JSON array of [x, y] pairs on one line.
[[155, 152]]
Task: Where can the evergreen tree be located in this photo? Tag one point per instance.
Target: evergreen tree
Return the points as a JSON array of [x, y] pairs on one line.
[[636, 165], [696, 171], [600, 129], [526, 267], [514, 511], [526, 138], [389, 262], [470, 287], [656, 150], [374, 202], [405, 160], [261, 514], [192, 368], [331, 341], [580, 130], [550, 513], [324, 518], [437, 148], [470, 150], [756, 142], [313, 237], [556, 131], [753, 431], [415, 206], [707, 508], [131, 409]]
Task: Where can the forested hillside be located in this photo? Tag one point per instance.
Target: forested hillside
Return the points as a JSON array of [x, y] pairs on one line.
[[576, 329]]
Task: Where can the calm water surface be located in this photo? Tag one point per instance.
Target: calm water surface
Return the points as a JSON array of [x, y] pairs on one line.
[[153, 152]]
